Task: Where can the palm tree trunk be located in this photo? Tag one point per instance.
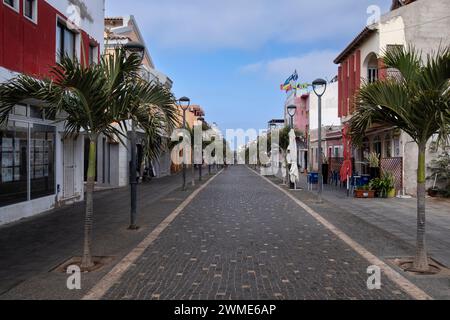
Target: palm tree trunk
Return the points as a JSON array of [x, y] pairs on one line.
[[193, 169], [421, 259], [87, 262]]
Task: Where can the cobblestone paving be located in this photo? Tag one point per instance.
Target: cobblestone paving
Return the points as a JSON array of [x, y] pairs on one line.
[[243, 239]]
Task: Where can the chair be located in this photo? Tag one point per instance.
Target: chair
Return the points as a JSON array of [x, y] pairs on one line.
[[313, 178]]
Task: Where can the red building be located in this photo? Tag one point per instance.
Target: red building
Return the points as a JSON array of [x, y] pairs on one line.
[[40, 168]]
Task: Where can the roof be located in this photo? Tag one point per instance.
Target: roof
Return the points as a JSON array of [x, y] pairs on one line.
[[125, 26], [277, 121], [360, 38], [400, 3], [117, 37]]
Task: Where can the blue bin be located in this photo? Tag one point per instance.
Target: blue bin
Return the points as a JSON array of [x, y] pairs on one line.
[[365, 180], [313, 178]]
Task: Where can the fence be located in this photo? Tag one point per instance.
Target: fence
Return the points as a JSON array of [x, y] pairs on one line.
[[394, 166]]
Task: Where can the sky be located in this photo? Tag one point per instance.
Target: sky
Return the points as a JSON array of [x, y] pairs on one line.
[[231, 56]]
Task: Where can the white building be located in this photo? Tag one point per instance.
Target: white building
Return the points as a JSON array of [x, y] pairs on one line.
[[113, 158], [425, 24]]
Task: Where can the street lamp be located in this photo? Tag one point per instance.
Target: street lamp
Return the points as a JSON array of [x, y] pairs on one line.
[[291, 110], [201, 119], [184, 103], [137, 49], [319, 87]]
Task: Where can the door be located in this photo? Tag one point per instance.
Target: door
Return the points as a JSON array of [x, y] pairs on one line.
[[69, 168]]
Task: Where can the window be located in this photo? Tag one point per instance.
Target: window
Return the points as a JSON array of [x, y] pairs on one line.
[[336, 152], [42, 155], [14, 163], [93, 54], [372, 68], [14, 4], [388, 146], [27, 161], [20, 110], [30, 9], [65, 42], [372, 74], [376, 145], [34, 112]]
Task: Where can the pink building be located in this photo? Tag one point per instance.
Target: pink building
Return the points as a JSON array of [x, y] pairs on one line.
[[301, 119]]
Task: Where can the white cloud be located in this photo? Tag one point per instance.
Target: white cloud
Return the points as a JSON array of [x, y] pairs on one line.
[[252, 68], [215, 24], [309, 66]]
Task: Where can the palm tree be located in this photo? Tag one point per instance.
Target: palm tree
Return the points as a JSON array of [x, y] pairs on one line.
[[417, 101], [97, 99]]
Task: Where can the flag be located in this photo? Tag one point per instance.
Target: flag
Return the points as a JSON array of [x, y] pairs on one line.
[[289, 84]]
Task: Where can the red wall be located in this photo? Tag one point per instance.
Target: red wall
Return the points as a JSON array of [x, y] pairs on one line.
[[349, 76], [301, 119], [27, 47]]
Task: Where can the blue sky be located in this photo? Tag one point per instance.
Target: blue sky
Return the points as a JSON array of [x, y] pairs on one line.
[[231, 56]]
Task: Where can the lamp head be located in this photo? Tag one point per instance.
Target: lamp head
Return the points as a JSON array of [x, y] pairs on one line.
[[184, 102], [319, 87], [134, 47], [292, 109]]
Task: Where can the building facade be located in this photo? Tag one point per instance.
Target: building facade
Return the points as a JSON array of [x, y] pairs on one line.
[[113, 158], [41, 168], [331, 137], [421, 23], [193, 113]]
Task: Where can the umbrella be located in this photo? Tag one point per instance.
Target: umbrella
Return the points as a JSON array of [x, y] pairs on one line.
[[292, 157]]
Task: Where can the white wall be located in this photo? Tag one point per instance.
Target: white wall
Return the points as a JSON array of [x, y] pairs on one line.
[[95, 8], [329, 107]]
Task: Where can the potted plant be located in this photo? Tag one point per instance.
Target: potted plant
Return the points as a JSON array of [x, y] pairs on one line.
[[374, 165], [364, 192], [384, 186], [389, 185], [433, 192], [376, 185]]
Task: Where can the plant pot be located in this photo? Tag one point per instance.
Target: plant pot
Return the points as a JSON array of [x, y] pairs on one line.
[[391, 193], [364, 194], [433, 193], [325, 173], [375, 172]]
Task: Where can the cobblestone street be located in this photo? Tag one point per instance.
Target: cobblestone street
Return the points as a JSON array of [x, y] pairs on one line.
[[241, 238]]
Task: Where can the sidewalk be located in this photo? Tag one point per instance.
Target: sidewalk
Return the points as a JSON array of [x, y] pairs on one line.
[[387, 227], [399, 217], [31, 248]]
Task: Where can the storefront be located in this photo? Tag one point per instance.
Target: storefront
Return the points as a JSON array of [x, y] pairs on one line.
[[35, 171]]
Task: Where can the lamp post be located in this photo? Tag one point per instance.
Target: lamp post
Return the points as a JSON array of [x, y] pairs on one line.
[[291, 110], [138, 49], [184, 103], [201, 119], [320, 86]]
